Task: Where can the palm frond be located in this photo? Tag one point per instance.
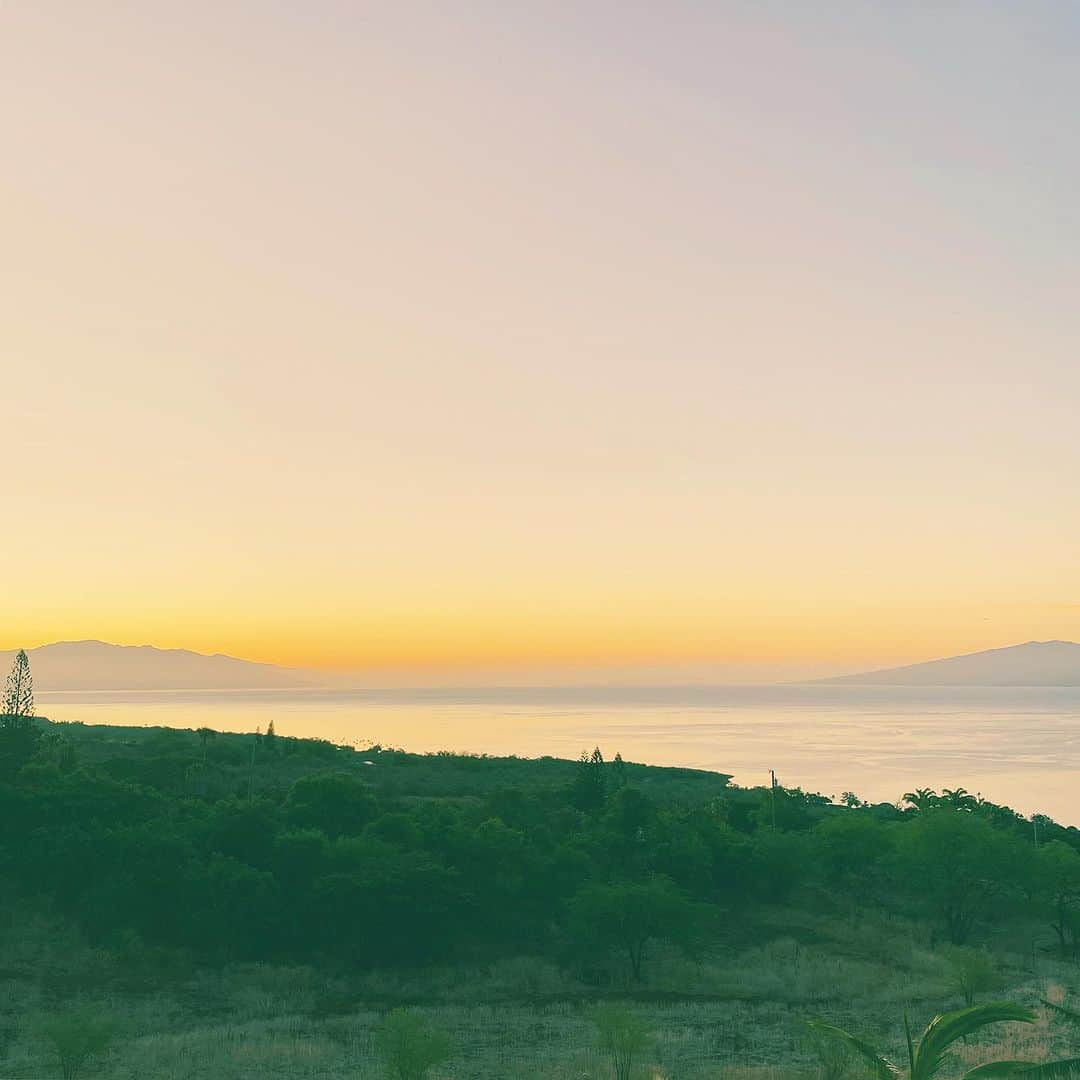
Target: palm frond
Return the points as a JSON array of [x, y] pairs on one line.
[[998, 1068], [1068, 1014], [946, 1028], [1051, 1070], [883, 1067]]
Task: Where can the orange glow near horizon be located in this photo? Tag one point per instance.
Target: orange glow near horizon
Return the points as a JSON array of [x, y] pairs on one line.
[[698, 650]]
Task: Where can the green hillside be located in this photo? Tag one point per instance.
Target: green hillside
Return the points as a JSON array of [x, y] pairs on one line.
[[237, 905]]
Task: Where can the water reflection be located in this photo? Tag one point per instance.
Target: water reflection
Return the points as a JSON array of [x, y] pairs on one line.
[[1020, 745]]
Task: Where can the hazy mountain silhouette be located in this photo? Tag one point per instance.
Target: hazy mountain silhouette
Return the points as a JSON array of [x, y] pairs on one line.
[[1035, 663], [97, 665]]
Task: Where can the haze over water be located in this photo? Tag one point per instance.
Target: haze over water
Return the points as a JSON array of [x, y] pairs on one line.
[[1016, 745]]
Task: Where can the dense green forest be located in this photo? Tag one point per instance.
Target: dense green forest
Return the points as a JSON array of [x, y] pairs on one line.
[[260, 847], [330, 882]]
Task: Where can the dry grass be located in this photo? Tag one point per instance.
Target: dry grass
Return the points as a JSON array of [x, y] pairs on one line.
[[519, 1018]]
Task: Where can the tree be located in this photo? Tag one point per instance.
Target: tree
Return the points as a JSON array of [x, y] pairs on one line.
[[618, 772], [337, 802], [778, 862], [205, 735], [236, 907], [959, 799], [409, 1048], [19, 735], [850, 851], [922, 799], [629, 814], [299, 857], [380, 908], [1057, 888], [785, 808], [957, 866], [19, 694], [588, 791], [622, 1034], [927, 1054], [628, 915]]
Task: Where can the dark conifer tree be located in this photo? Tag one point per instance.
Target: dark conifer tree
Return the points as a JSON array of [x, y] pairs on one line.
[[618, 772], [589, 789], [19, 734], [19, 694]]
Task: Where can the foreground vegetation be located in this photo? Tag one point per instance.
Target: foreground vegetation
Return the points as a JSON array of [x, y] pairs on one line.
[[198, 904]]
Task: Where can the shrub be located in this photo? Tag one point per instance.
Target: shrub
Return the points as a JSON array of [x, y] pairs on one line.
[[76, 1037], [972, 972], [409, 1047], [622, 1035]]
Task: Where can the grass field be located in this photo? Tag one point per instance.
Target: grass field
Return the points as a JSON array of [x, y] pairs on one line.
[[732, 1012]]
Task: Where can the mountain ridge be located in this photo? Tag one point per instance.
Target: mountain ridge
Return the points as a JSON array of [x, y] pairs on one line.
[[91, 664], [1031, 663]]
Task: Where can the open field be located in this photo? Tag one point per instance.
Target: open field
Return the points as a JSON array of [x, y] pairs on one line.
[[730, 1013]]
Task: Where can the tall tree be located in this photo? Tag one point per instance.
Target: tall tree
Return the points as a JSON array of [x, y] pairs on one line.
[[588, 790], [19, 735], [618, 772], [19, 694]]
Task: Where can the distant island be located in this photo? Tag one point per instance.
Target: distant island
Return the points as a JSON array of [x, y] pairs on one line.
[[1035, 663], [97, 665], [101, 666]]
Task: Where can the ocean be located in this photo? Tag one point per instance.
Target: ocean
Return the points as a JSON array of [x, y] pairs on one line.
[[1014, 745]]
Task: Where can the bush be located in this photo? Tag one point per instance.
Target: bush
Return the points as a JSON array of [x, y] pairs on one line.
[[972, 972], [76, 1037], [622, 1035], [409, 1047]]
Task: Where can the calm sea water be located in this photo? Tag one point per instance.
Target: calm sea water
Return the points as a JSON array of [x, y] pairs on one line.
[[1019, 746]]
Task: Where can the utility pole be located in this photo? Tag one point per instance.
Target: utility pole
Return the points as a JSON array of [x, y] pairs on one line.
[[251, 765]]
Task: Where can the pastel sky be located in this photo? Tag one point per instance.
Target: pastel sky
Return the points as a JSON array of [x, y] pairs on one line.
[[541, 340]]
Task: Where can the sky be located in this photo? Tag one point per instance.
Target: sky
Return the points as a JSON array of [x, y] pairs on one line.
[[547, 341]]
